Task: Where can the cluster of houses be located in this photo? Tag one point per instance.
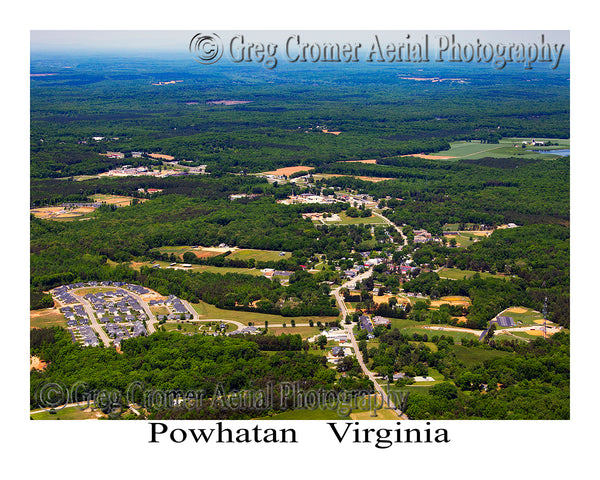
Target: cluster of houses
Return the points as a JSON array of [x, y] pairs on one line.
[[119, 332], [86, 334], [117, 309], [178, 309], [422, 236]]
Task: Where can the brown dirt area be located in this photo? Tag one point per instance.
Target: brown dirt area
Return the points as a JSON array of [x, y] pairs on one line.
[[464, 301], [462, 319], [161, 156], [517, 310], [289, 170], [36, 363]]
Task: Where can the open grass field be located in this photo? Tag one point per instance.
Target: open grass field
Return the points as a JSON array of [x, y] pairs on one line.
[[194, 327], [304, 332], [69, 413], [259, 255], [457, 274], [472, 357], [456, 335], [346, 220], [258, 319], [48, 317], [201, 268], [524, 316]]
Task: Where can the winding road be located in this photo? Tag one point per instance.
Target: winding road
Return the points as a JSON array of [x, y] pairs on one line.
[[349, 330]]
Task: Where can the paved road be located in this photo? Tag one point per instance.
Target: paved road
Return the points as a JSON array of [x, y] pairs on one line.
[[151, 317], [349, 330], [93, 323], [398, 229]]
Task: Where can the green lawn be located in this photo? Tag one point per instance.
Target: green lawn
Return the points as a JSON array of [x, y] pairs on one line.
[[258, 319], [346, 220], [457, 274], [304, 332], [472, 357], [259, 255], [67, 413], [447, 333]]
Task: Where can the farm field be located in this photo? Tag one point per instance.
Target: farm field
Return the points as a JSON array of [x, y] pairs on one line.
[[475, 150], [288, 170]]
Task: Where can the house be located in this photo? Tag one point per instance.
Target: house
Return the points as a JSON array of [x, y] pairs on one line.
[[365, 323], [337, 351]]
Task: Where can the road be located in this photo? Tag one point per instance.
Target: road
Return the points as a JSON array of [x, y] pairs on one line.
[[93, 323], [151, 317], [349, 330], [398, 229]]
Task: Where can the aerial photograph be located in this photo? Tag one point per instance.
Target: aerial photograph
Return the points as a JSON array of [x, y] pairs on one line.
[[299, 225]]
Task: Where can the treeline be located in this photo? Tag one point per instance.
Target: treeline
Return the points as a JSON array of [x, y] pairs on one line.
[[378, 116], [532, 383], [171, 363]]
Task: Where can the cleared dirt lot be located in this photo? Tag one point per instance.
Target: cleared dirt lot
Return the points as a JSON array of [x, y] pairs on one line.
[[289, 170]]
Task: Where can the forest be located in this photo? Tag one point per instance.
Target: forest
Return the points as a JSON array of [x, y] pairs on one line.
[[94, 105]]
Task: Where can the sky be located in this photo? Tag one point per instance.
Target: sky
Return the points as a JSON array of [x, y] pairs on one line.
[[173, 40]]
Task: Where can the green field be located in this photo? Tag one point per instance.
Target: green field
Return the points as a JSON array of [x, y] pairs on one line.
[[258, 319], [472, 357], [526, 318], [204, 268], [447, 333], [503, 149], [346, 220], [361, 409], [457, 274], [259, 255], [304, 332], [68, 413]]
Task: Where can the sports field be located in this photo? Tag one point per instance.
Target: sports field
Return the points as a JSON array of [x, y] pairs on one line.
[[259, 255]]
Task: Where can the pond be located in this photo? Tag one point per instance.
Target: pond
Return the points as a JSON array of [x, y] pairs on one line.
[[563, 153]]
